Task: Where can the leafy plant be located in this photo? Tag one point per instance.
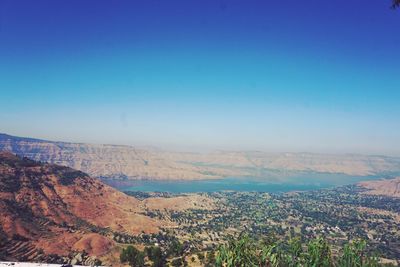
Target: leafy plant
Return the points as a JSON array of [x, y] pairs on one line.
[[242, 252], [318, 254], [354, 254], [247, 252]]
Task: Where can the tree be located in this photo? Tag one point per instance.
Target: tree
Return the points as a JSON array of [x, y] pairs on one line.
[[131, 255], [178, 262], [175, 249], [396, 3], [155, 255]]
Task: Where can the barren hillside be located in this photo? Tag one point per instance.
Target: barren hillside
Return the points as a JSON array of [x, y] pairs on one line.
[[48, 209], [387, 187]]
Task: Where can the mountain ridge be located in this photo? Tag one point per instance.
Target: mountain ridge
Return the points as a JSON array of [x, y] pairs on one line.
[[129, 162]]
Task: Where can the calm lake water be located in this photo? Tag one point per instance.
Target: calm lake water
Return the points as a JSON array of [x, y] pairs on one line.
[[298, 182]]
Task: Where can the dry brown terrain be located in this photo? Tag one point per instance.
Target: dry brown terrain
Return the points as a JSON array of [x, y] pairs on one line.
[[179, 203], [50, 209], [55, 208], [114, 161], [389, 187]]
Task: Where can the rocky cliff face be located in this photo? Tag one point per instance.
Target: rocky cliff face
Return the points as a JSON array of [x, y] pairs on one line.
[[103, 160], [49, 209], [118, 162]]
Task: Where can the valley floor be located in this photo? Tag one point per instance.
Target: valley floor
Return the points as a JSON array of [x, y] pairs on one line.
[[338, 215]]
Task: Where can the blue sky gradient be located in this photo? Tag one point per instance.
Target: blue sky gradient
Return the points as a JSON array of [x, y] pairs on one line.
[[319, 76]]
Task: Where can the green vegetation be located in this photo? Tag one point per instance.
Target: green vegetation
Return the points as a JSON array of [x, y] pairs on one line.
[[131, 255], [179, 262], [249, 252], [67, 176], [175, 249], [323, 221], [354, 255], [155, 255], [210, 261]]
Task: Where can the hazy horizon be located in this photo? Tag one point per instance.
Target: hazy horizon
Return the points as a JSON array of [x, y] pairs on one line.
[[274, 76], [200, 150]]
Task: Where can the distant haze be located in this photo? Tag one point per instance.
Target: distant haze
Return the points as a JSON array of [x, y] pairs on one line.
[[275, 76], [126, 162]]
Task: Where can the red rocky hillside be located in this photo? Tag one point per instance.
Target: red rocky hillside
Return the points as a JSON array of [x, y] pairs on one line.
[[48, 209]]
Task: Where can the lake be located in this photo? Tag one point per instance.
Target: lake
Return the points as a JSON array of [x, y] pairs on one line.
[[294, 182]]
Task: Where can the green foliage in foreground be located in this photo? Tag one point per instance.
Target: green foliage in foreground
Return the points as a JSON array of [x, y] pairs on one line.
[[316, 253]]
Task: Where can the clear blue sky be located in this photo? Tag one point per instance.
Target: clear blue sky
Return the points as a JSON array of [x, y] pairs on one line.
[[197, 74]]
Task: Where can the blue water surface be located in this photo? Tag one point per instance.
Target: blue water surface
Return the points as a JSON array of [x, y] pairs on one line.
[[299, 182]]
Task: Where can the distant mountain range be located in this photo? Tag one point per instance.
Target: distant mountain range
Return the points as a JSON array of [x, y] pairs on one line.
[[127, 162], [102, 160]]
